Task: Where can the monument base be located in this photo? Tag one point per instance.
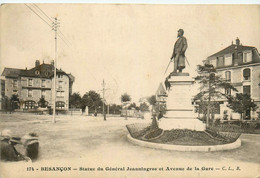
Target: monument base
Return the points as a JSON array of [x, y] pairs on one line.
[[180, 112], [191, 124]]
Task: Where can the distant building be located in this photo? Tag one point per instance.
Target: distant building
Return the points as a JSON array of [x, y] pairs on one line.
[[32, 84], [161, 96], [2, 90], [240, 65]]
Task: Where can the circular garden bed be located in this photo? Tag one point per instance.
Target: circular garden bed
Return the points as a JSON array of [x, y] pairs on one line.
[[210, 137]]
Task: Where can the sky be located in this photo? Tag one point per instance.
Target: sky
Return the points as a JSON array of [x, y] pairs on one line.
[[127, 45]]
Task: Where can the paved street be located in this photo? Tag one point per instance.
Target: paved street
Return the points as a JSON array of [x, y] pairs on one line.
[[84, 141]]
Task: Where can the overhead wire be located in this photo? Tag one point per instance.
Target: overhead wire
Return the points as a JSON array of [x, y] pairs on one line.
[[38, 15], [43, 12], [64, 39]]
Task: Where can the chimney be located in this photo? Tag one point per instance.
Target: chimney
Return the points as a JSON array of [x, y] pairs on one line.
[[237, 41], [37, 63], [52, 62]]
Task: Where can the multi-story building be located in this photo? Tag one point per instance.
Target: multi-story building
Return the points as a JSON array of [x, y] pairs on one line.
[[32, 84], [240, 65]]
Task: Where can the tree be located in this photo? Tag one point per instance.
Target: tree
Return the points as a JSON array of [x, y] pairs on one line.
[[241, 103], [92, 100], [6, 104], [211, 87], [152, 101], [42, 102], [75, 100], [14, 102], [144, 107], [125, 98], [133, 105], [115, 109]]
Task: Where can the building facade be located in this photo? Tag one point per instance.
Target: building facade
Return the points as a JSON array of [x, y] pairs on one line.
[[33, 84], [239, 65]]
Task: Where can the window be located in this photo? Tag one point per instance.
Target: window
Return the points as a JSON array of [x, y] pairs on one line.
[[29, 104], [15, 84], [220, 61], [60, 104], [60, 94], [29, 93], [213, 62], [43, 83], [246, 89], [228, 76], [60, 76], [46, 73], [43, 94], [246, 74], [30, 82], [228, 91], [15, 92], [37, 72], [60, 84], [247, 57], [228, 60]]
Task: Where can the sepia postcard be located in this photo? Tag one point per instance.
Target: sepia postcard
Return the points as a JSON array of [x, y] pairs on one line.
[[129, 90]]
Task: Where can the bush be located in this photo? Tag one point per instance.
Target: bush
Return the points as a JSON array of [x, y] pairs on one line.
[[249, 127], [226, 131], [50, 110], [153, 134]]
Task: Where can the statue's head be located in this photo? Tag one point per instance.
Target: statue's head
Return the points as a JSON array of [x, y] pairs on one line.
[[180, 32]]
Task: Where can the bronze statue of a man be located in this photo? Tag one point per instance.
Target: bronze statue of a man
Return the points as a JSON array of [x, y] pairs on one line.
[[178, 54]]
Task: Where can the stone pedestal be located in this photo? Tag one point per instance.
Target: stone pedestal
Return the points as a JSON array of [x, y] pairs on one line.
[[180, 112]]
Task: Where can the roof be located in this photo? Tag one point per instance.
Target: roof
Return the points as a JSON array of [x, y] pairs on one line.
[[11, 72], [41, 71], [161, 90], [232, 48]]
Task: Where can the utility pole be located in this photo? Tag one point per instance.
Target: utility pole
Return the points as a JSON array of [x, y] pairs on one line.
[[104, 114], [55, 26]]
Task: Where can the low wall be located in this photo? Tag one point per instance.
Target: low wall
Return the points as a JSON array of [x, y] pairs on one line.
[[209, 148]]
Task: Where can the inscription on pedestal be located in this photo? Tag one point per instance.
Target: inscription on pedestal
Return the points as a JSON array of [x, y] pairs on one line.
[[180, 112]]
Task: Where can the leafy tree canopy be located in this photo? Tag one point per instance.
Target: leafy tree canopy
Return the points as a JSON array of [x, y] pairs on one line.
[[125, 98]]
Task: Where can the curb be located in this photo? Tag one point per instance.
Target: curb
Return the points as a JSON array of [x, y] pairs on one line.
[[209, 148]]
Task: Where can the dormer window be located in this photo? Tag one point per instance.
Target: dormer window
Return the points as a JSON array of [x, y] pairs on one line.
[[213, 62], [37, 72], [228, 60], [46, 73], [220, 61], [247, 56]]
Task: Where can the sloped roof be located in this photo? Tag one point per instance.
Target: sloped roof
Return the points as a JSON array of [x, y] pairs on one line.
[[72, 78], [231, 49], [42, 71], [161, 90], [12, 72]]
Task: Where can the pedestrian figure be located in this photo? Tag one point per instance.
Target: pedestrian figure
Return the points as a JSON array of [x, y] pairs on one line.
[[8, 151], [31, 143]]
